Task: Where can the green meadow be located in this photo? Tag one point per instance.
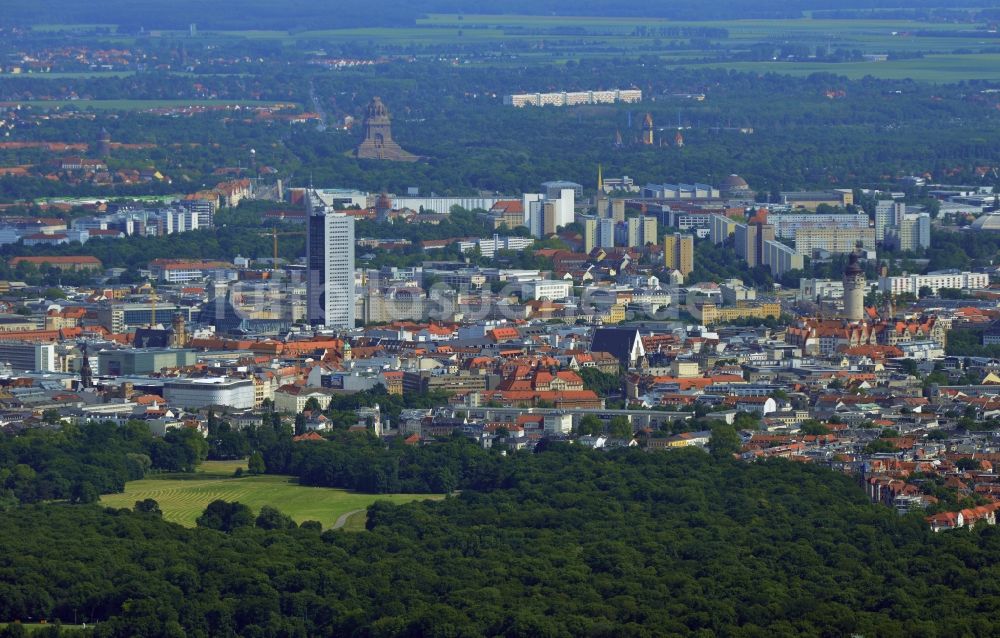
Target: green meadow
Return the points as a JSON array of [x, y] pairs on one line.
[[183, 498]]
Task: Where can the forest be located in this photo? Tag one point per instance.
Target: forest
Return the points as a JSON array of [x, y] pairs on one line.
[[572, 542], [825, 132], [78, 463]]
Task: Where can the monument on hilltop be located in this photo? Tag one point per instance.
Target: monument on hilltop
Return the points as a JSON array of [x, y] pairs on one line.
[[378, 143]]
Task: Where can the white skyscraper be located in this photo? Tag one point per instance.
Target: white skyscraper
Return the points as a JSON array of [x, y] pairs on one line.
[[330, 258]]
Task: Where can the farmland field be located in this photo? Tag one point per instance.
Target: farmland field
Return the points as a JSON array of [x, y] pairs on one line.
[[183, 499], [138, 105], [933, 52], [932, 68]]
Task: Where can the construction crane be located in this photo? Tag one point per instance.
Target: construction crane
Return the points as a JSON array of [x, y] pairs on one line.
[[274, 236], [152, 301]]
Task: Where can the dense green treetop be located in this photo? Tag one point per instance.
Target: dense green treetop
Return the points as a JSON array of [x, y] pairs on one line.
[[572, 542]]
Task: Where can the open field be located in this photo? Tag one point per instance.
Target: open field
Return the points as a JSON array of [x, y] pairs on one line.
[[33, 627], [183, 499], [932, 68], [137, 105], [446, 28], [73, 27], [952, 52], [67, 75]]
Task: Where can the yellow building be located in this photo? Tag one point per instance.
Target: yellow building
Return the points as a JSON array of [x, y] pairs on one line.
[[615, 314], [678, 252], [710, 313]]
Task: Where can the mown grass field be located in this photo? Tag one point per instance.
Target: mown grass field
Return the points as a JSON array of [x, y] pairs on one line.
[[182, 499], [34, 627]]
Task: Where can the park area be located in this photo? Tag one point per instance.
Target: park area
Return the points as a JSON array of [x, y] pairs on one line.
[[183, 498]]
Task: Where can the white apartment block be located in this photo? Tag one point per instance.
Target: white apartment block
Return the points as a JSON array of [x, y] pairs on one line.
[[563, 98], [832, 239], [720, 228], [489, 247], [781, 258], [935, 281], [641, 231], [543, 215], [443, 205], [786, 224], [888, 213]]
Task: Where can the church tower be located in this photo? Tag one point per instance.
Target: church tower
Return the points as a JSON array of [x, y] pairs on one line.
[[178, 336], [86, 372], [601, 199], [647, 130]]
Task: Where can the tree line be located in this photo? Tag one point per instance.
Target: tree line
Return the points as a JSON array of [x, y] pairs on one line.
[[572, 542]]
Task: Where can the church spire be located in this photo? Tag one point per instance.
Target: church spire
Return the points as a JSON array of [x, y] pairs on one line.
[[86, 373], [600, 180]]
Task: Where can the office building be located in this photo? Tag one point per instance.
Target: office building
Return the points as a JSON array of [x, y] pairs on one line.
[[330, 261], [132, 361], [120, 317], [678, 252], [203, 208], [24, 356], [546, 289], [202, 393]]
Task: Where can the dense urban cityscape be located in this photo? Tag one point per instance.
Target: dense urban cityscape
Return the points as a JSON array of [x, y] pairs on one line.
[[463, 324]]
